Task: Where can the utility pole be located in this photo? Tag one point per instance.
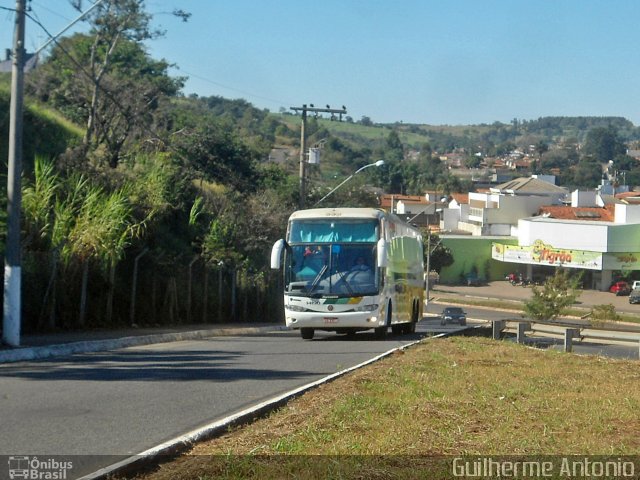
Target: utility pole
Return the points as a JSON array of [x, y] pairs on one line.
[[428, 263], [430, 250], [12, 262], [303, 141]]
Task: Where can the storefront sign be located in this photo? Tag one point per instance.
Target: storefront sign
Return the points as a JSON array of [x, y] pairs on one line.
[[622, 261], [541, 253]]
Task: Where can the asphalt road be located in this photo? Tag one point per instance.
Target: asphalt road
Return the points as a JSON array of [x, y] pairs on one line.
[[124, 402]]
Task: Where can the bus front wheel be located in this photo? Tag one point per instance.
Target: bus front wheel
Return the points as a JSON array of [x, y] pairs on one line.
[[381, 332], [306, 333]]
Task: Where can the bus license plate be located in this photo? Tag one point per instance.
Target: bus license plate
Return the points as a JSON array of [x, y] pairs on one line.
[[330, 319]]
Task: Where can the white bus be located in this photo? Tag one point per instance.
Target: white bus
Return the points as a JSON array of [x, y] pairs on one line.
[[350, 269]]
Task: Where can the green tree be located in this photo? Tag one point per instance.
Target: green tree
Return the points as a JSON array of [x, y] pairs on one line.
[[552, 300], [393, 150], [105, 79], [603, 144], [541, 148], [587, 174], [441, 255], [558, 158], [218, 154], [624, 163], [472, 161]]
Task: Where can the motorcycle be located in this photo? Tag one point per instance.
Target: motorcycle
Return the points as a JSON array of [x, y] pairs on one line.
[[517, 279]]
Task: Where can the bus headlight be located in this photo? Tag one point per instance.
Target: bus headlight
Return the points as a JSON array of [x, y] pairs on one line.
[[296, 308], [367, 308]]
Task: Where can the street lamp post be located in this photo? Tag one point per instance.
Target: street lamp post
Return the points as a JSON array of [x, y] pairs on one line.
[[376, 164]]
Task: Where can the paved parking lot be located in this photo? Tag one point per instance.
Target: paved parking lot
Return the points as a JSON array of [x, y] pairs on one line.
[[504, 290]]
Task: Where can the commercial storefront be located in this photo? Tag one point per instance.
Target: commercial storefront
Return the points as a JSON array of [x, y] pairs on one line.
[[602, 251]]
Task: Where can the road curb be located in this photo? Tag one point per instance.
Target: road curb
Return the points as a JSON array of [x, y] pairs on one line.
[[49, 351]]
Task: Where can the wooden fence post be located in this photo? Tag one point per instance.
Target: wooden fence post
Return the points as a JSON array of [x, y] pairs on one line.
[[134, 286], [219, 294], [205, 294], [195, 259], [233, 295]]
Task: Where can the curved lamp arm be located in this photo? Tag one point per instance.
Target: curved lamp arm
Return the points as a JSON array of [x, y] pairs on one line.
[[379, 163]]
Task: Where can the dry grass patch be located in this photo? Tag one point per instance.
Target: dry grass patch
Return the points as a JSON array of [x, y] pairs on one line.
[[458, 396]]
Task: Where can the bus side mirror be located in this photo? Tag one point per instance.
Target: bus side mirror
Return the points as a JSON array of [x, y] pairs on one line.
[[276, 254], [382, 251]]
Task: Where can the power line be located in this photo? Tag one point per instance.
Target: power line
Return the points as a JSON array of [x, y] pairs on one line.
[[199, 77]]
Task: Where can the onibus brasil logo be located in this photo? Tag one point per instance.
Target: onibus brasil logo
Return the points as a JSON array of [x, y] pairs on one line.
[[33, 468]]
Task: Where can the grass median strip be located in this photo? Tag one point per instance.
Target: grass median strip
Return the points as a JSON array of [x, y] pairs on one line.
[[451, 397]]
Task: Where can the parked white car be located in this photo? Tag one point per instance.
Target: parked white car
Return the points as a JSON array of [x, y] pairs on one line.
[[635, 284]]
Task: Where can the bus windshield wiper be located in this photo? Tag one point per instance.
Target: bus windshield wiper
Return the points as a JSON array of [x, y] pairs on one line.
[[316, 280], [343, 277]]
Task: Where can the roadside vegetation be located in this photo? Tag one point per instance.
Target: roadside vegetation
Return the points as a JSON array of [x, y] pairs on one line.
[[410, 414]]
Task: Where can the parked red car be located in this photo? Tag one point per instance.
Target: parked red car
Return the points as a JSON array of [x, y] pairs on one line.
[[620, 288]]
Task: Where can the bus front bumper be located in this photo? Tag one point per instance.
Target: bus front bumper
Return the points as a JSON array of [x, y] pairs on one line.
[[327, 321]]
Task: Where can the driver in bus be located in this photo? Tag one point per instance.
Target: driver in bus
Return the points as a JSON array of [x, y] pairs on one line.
[[360, 275], [360, 265]]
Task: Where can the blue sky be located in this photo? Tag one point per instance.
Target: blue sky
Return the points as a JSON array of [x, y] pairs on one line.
[[417, 61]]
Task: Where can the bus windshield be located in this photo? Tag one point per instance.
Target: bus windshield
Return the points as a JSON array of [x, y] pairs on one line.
[[341, 269]]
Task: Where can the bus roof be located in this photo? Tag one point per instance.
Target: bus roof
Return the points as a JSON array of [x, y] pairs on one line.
[[373, 213], [338, 213]]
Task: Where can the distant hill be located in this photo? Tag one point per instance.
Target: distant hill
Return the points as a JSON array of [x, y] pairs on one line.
[[442, 138]]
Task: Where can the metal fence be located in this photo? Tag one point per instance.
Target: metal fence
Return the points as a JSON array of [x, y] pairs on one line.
[[145, 290], [525, 331]]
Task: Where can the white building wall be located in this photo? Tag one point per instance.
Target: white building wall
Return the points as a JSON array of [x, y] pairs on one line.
[[464, 212], [568, 235], [627, 213], [583, 198], [511, 209], [473, 228], [450, 218], [501, 229]]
